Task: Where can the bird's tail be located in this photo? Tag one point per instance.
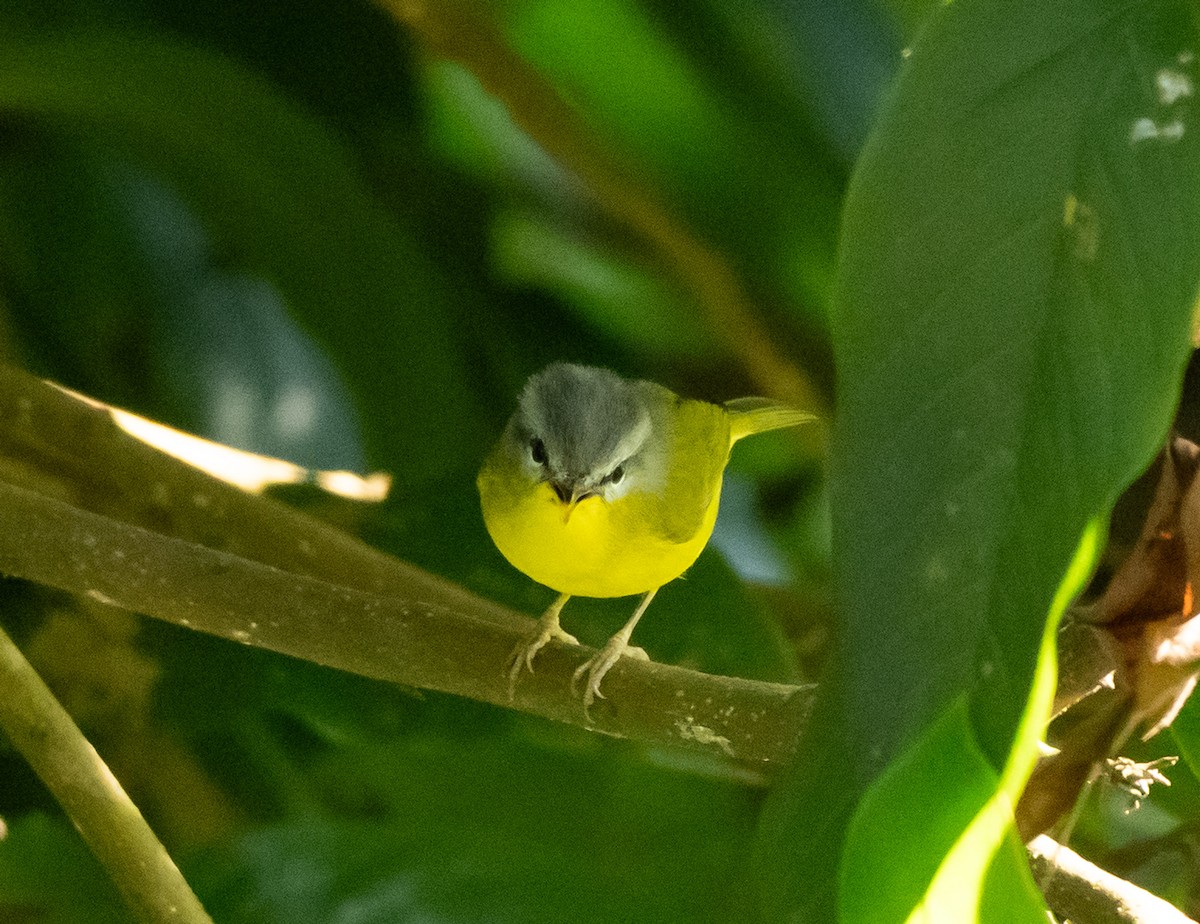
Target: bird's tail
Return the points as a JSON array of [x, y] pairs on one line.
[[748, 416]]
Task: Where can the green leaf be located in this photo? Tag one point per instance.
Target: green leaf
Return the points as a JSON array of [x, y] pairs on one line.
[[1019, 264], [71, 268], [961, 868], [281, 198], [946, 775], [620, 299], [520, 831]]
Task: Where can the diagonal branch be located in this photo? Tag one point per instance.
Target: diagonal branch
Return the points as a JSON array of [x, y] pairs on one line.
[[400, 637], [109, 822], [69, 447], [1083, 892], [464, 33]]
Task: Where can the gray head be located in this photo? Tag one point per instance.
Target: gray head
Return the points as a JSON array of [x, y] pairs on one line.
[[584, 430]]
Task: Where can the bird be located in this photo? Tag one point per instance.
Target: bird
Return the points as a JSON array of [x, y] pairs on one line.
[[603, 486]]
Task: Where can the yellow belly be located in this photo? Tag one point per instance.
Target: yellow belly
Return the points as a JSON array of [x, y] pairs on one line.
[[603, 550]]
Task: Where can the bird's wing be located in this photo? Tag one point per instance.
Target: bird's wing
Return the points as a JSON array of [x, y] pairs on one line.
[[700, 449]]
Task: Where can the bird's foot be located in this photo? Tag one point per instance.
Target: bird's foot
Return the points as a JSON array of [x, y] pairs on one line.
[[599, 664], [525, 652]]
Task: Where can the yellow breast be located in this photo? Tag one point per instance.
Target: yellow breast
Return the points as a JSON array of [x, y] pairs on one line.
[[603, 550]]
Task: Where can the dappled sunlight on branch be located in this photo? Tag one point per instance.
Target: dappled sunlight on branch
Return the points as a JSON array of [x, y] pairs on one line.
[[246, 470]]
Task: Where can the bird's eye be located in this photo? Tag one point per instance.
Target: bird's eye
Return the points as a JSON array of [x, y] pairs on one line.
[[616, 475], [537, 451]]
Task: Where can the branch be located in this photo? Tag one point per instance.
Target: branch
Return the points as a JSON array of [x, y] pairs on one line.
[[400, 637], [68, 447], [464, 33], [113, 828], [137, 528], [1086, 894]]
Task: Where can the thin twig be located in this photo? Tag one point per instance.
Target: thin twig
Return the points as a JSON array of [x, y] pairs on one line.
[[113, 828], [1086, 894]]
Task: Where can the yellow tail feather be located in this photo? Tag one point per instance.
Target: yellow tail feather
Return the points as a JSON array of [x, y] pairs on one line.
[[748, 416]]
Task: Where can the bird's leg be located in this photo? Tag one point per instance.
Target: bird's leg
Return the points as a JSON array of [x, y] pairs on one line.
[[598, 665], [547, 629]]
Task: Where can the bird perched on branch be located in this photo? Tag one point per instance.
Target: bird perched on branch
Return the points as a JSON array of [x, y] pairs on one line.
[[605, 487]]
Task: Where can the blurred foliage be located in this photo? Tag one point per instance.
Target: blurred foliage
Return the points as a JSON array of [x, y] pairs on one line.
[[287, 227]]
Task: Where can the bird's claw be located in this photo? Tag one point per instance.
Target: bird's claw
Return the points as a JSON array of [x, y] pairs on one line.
[[527, 650], [598, 665]]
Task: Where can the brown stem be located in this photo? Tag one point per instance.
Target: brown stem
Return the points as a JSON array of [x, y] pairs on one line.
[[1086, 894], [464, 33]]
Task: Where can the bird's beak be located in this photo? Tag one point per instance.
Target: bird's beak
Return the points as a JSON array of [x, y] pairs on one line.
[[569, 496]]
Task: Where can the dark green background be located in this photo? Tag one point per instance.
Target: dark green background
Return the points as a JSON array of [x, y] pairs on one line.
[[211, 212]]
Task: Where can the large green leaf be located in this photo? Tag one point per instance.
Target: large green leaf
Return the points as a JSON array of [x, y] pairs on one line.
[[878, 890], [967, 868], [281, 198], [1020, 256]]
